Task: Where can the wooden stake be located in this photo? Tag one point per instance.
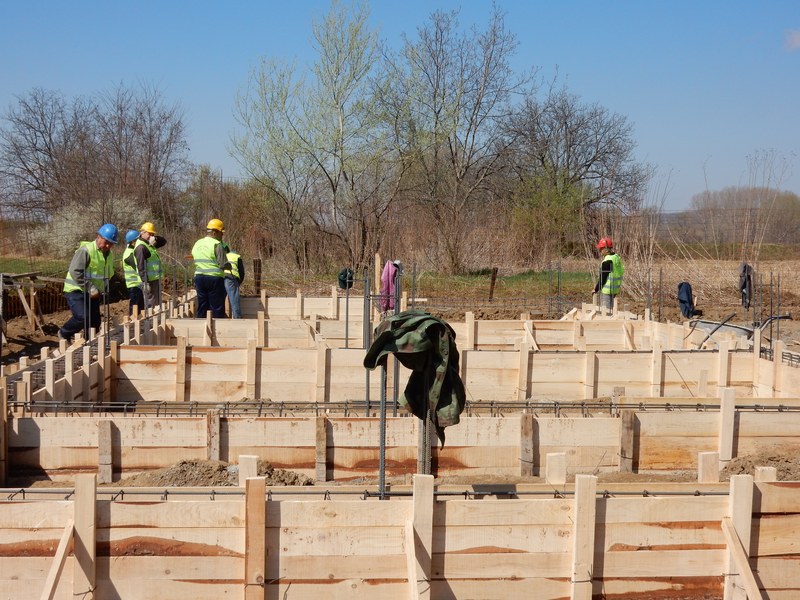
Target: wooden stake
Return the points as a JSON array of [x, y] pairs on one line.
[[527, 445], [255, 538], [556, 468], [104, 451], [248, 468], [84, 572], [180, 369], [212, 435], [250, 384], [3, 430], [708, 467], [627, 428], [589, 390], [583, 537], [321, 458], [727, 421], [524, 372], [741, 513], [419, 553]]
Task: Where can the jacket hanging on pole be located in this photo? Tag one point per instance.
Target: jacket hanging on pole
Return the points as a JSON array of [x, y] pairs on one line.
[[427, 346], [686, 299], [746, 284], [387, 285]]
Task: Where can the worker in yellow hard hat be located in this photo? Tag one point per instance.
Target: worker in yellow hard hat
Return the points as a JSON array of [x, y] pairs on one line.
[[148, 263], [210, 263]]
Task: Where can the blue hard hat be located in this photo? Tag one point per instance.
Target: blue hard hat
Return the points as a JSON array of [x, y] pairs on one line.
[[131, 235], [109, 233]]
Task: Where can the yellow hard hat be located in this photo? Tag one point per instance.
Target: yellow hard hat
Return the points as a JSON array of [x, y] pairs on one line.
[[148, 227], [217, 225]]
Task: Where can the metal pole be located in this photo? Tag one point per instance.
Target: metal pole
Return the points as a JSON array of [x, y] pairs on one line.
[[382, 454], [398, 282], [365, 332], [347, 312]]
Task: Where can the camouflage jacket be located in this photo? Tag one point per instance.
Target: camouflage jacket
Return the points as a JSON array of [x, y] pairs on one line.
[[427, 346]]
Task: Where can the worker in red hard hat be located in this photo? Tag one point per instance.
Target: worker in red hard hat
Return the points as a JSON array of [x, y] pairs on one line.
[[611, 271]]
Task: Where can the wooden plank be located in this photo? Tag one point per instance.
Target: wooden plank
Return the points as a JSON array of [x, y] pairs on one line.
[[740, 511], [727, 421], [84, 573], [180, 369], [104, 451], [212, 434], [248, 468], [524, 371], [626, 440], [583, 537], [422, 549], [251, 369], [556, 468], [708, 467], [527, 444], [740, 559], [255, 538], [57, 567], [321, 449]]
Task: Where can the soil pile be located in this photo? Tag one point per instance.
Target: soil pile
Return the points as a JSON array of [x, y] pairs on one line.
[[209, 473], [787, 465]]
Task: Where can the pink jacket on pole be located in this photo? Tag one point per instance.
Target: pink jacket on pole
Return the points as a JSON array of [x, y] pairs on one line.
[[387, 286]]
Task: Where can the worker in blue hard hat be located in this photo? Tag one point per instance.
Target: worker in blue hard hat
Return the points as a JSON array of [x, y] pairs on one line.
[[132, 279], [87, 281]]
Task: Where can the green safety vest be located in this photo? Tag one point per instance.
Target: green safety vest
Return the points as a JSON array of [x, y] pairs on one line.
[[97, 271], [205, 257], [153, 264], [233, 259], [614, 281], [132, 278]]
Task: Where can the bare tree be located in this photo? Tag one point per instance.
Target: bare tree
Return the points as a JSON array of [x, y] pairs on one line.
[[126, 144], [564, 146], [448, 94], [312, 138]]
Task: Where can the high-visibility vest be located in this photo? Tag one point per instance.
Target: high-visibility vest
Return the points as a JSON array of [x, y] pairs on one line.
[[205, 257], [233, 259], [132, 278], [98, 271], [153, 263], [614, 280]]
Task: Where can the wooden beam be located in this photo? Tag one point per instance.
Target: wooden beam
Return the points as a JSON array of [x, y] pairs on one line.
[[524, 372], [739, 554], [3, 430], [527, 445], [208, 333], [261, 330], [708, 467], [590, 370], [724, 364], [741, 513], [252, 370], [180, 369], [84, 571], [727, 422], [212, 435], [556, 468], [657, 370], [255, 556], [766, 474], [104, 451], [54, 574], [322, 372], [627, 427], [299, 309], [422, 548], [583, 537], [248, 468], [321, 454], [469, 318]]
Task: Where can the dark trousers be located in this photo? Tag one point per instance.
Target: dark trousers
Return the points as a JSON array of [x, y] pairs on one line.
[[211, 296], [136, 299], [77, 304]]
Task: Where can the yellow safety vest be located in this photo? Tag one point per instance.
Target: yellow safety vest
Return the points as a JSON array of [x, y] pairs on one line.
[[132, 278], [614, 280], [153, 265], [205, 257], [98, 271], [233, 259]]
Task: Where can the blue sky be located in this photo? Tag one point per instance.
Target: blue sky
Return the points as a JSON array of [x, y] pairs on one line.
[[712, 88]]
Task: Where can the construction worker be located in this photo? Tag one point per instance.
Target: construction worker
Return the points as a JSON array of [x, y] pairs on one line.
[[210, 263], [611, 271], [234, 276], [87, 279], [132, 280], [148, 263]]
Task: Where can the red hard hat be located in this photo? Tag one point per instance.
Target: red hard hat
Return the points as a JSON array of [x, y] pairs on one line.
[[605, 243]]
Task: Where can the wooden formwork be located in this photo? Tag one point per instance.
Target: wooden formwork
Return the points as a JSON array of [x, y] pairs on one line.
[[580, 543], [630, 436], [656, 404]]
